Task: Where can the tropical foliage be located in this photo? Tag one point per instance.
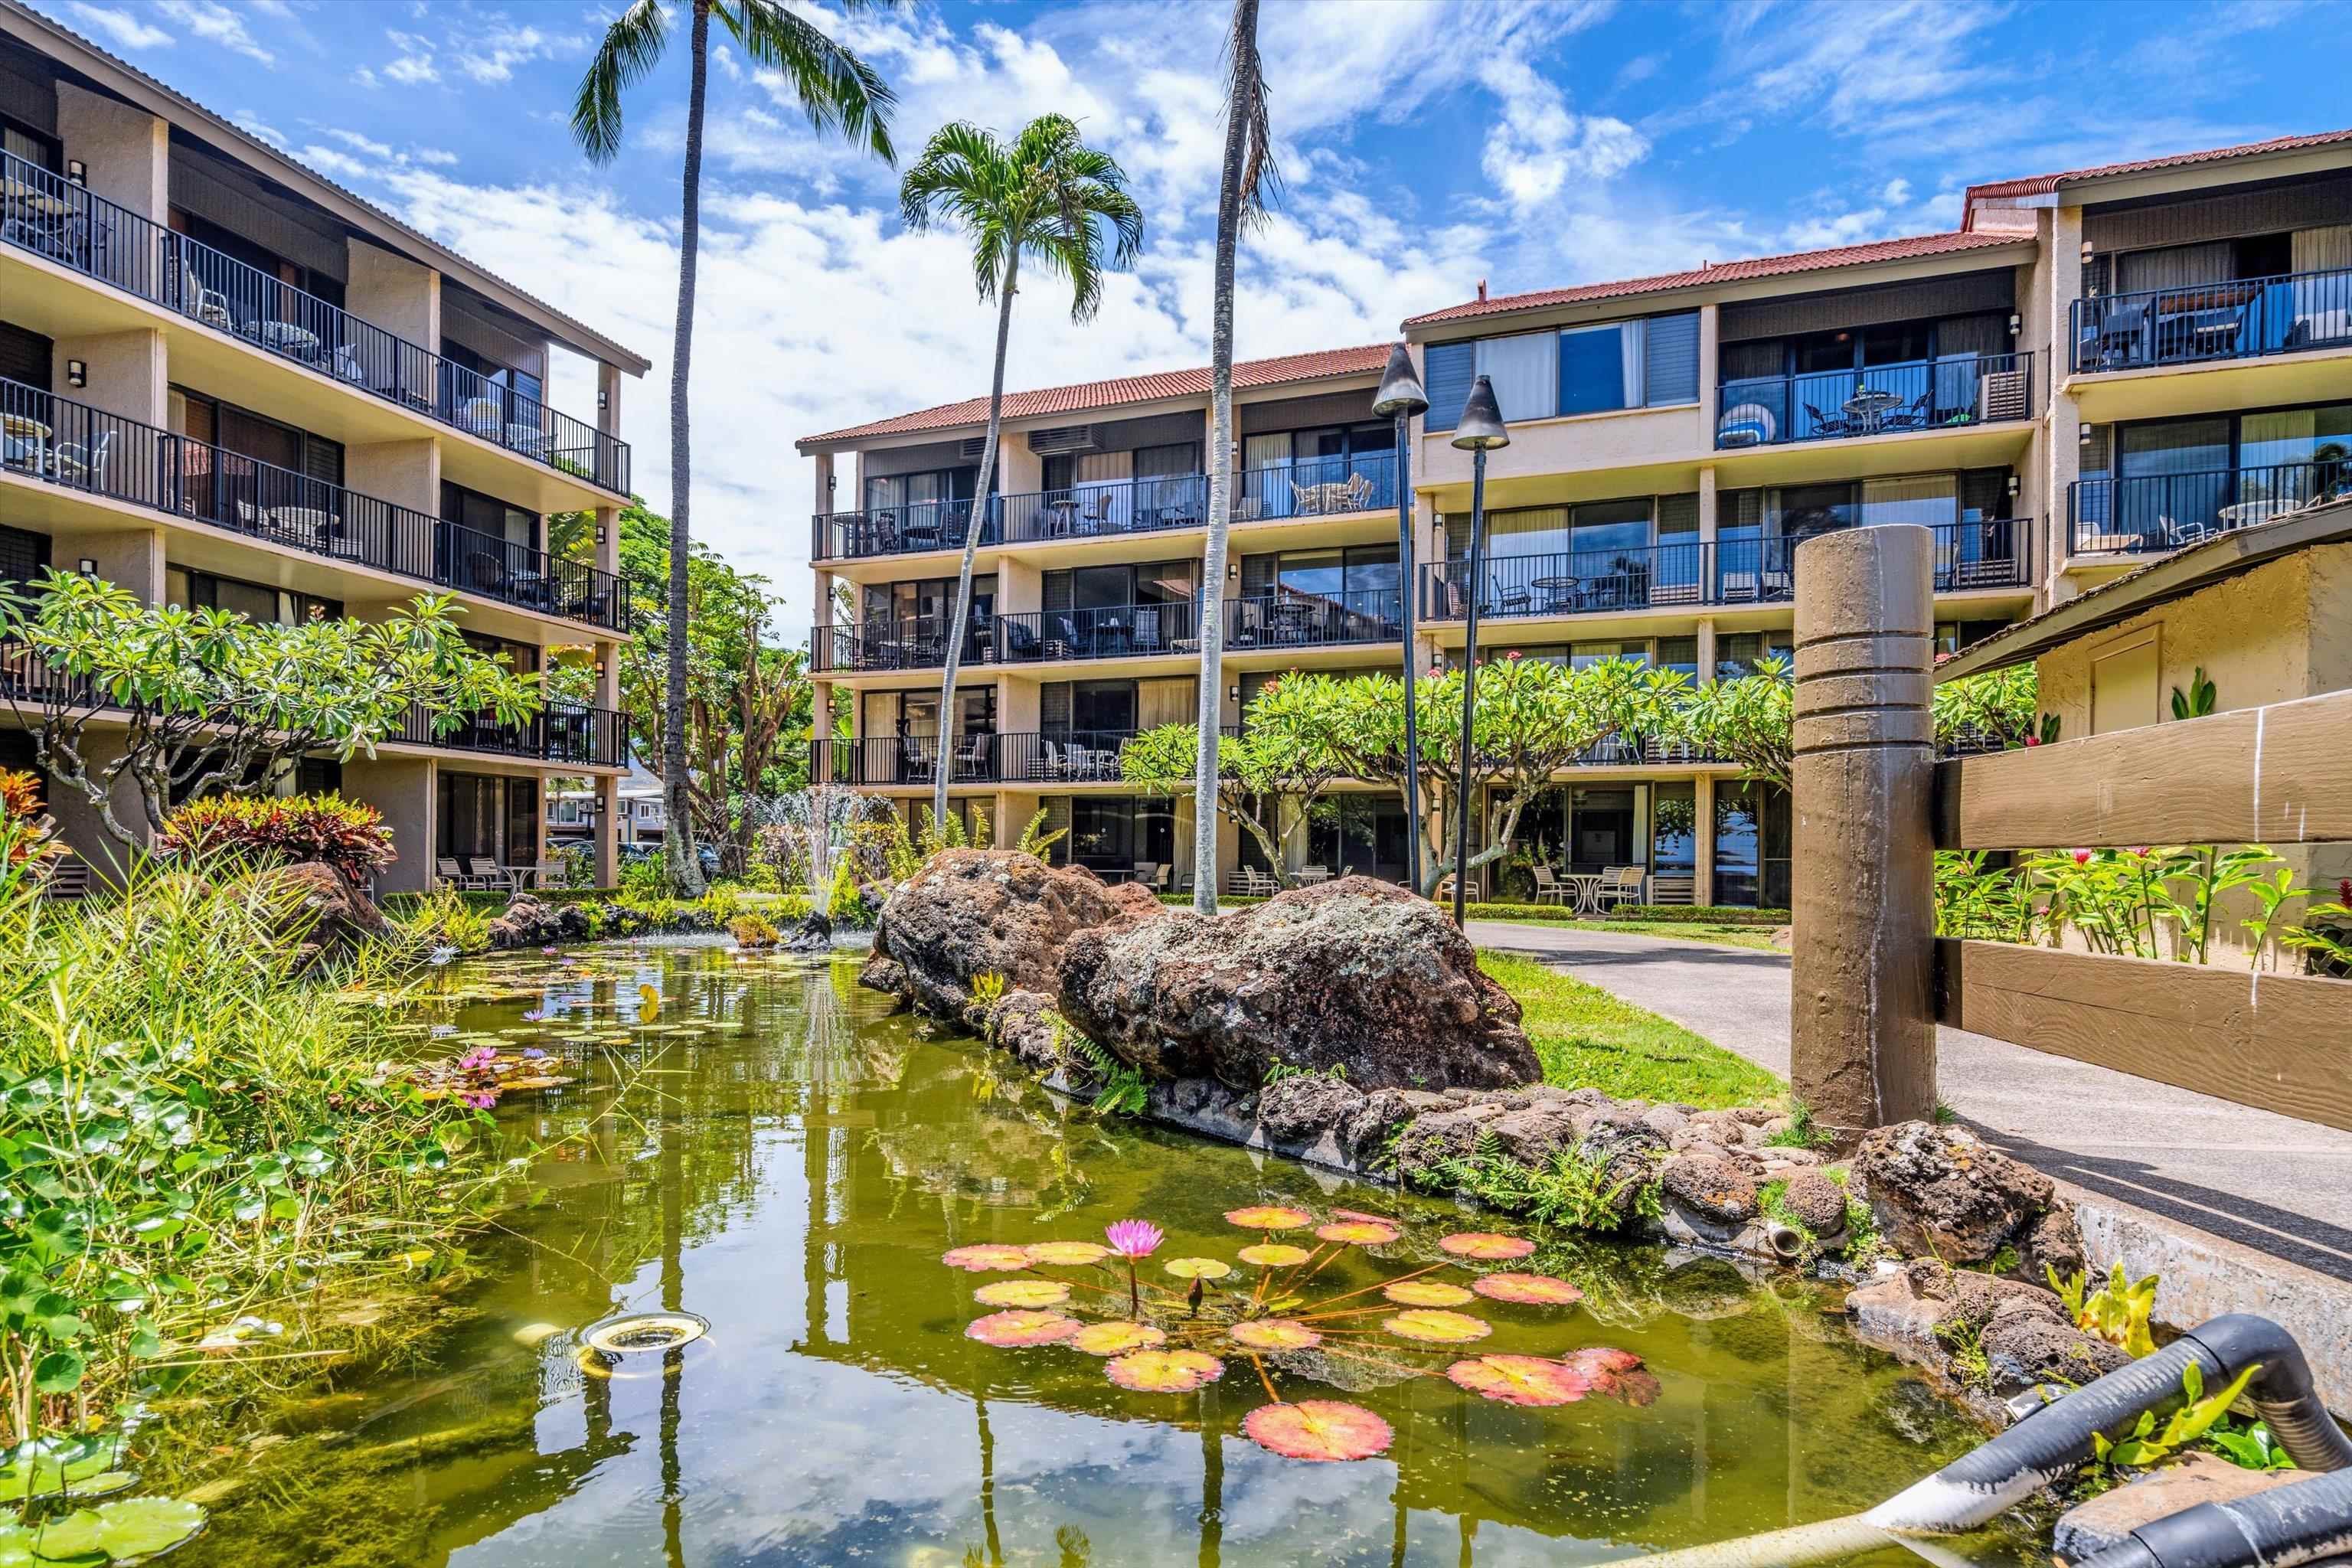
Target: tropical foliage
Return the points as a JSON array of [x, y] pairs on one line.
[[194, 702], [347, 835], [2145, 903]]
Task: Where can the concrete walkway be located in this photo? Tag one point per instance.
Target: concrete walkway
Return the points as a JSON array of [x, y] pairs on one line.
[[2268, 1182]]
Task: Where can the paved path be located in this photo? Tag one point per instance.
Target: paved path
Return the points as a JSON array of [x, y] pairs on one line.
[[2270, 1183]]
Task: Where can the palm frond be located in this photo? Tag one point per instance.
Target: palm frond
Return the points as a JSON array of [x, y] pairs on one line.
[[840, 92], [1261, 183], [632, 46]]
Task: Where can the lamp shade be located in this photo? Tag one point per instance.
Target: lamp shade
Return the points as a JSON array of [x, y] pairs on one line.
[[1480, 429], [1399, 389]]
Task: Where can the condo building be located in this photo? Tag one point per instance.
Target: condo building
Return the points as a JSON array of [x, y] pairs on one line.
[[2097, 367], [226, 382]]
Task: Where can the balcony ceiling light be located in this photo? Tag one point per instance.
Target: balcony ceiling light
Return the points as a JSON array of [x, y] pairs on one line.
[[1400, 391], [1480, 429]]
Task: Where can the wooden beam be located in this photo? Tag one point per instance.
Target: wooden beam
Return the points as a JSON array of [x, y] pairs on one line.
[[2273, 775], [2268, 1040]]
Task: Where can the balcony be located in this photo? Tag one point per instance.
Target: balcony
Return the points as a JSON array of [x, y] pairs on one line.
[[1047, 757], [564, 733], [1284, 621], [1944, 395], [1304, 487], [77, 447], [2248, 317], [1968, 555], [2157, 512], [51, 218]]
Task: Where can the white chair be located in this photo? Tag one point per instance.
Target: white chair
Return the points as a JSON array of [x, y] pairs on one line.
[[1622, 885], [1549, 889], [78, 464], [1313, 874], [451, 876]]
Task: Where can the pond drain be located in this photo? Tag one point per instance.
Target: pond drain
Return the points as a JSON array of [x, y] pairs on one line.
[[633, 1334]]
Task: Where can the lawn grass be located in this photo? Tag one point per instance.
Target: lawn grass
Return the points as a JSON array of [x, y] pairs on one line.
[[1756, 937], [1585, 1037]]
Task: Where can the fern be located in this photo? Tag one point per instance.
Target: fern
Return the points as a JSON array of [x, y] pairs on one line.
[[1034, 840], [1119, 1089], [1571, 1189]]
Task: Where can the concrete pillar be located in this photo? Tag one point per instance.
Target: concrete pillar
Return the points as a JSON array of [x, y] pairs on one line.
[[391, 291], [608, 831], [1862, 1045], [1703, 840], [1710, 391], [79, 821], [1706, 650], [405, 789], [2062, 431], [130, 558], [123, 373], [125, 152]]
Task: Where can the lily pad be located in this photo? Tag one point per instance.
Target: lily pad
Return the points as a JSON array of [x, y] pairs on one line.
[[127, 1532], [1197, 1267], [1359, 1232], [1437, 1328], [1321, 1430], [1016, 1329], [1529, 1290], [988, 1258], [1617, 1374], [1117, 1338], [1165, 1372], [1274, 1254], [1485, 1245], [1269, 1216], [1426, 1293], [1066, 1254], [1023, 1293], [1520, 1379], [1274, 1334]]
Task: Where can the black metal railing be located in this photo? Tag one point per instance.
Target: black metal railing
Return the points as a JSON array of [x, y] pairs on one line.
[[1305, 487], [1939, 394], [2166, 511], [1728, 571], [76, 446], [1123, 631], [563, 732], [1291, 619], [2244, 317], [50, 217]]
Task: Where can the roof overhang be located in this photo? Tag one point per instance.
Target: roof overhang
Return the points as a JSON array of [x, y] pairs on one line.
[[2155, 583], [135, 87]]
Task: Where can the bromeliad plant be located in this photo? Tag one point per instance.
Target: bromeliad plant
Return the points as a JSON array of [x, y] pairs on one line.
[[1173, 1341]]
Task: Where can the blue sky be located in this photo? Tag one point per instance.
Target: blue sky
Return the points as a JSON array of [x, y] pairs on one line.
[[1427, 145]]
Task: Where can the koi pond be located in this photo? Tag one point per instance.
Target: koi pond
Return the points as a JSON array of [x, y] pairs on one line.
[[954, 1320]]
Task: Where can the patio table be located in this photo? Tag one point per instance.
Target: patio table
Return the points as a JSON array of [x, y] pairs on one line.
[[1585, 886], [1868, 404], [1560, 593], [27, 437]]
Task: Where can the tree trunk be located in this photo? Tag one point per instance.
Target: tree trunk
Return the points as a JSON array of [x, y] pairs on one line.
[[971, 531], [1220, 479], [679, 859]]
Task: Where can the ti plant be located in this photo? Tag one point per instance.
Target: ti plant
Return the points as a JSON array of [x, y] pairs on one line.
[[2146, 1445], [2119, 1311], [2197, 702]]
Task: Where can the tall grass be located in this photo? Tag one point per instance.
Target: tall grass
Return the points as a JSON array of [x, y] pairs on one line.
[[190, 1136]]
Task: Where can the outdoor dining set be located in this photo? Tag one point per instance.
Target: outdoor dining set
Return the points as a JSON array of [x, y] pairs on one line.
[[486, 873], [1591, 892]]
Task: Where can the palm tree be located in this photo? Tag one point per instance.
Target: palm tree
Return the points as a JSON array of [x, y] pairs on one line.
[[1249, 179], [842, 95], [1043, 196]]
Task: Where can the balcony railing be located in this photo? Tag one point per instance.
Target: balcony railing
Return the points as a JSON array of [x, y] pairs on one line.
[[1049, 757], [1296, 620], [76, 446], [1996, 554], [1306, 487], [2243, 318], [1941, 394], [50, 217], [564, 733], [2157, 512]]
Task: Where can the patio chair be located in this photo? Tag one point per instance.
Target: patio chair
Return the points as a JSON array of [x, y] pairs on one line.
[[1311, 875], [1167, 875], [1073, 646], [78, 463], [1550, 889], [1621, 885], [1146, 635], [1052, 766], [1912, 419], [1147, 872], [972, 757], [1020, 640], [1827, 424], [452, 875]]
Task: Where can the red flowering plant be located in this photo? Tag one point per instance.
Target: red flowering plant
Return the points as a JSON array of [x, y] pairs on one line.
[[28, 838], [281, 830]]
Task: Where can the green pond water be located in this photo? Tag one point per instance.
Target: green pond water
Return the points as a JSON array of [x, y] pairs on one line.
[[783, 1156]]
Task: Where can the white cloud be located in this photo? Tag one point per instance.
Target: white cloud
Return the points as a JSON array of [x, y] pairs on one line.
[[435, 157], [1539, 144], [252, 125], [366, 78], [352, 138], [414, 66], [126, 31], [327, 160], [491, 53], [216, 23]]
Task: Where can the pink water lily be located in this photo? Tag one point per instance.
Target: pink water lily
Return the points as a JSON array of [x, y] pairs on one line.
[[1133, 1238]]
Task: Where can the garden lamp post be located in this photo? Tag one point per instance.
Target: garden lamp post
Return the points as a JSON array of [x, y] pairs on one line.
[[1478, 432], [1400, 397]]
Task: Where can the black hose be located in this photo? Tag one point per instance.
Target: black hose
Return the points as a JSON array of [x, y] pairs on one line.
[[2298, 1522], [2054, 1442]]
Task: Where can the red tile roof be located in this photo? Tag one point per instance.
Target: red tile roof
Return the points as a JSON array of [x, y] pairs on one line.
[[2041, 185], [1087, 396], [1901, 249]]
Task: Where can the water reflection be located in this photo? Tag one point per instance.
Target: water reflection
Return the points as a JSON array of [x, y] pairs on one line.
[[790, 1162]]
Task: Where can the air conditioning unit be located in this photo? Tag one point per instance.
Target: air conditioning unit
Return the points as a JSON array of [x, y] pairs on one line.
[[1063, 438], [971, 449]]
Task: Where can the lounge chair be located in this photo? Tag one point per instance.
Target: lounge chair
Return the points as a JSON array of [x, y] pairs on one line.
[[1549, 889]]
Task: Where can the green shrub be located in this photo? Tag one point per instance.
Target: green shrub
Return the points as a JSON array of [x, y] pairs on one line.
[[270, 829], [751, 930], [444, 918], [847, 906]]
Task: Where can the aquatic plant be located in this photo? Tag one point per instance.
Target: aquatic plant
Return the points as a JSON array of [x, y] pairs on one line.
[[1174, 1342]]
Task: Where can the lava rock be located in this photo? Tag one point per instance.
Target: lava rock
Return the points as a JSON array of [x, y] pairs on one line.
[[1383, 1115], [1534, 1134], [1022, 1021], [1431, 1140], [1815, 1202], [321, 915], [1303, 1108], [1712, 1186], [2023, 1348], [1352, 973], [2052, 1244], [527, 921], [1943, 1191], [977, 911]]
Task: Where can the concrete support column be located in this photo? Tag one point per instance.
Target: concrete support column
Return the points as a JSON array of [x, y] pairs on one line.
[[1710, 362], [606, 787], [1706, 650], [124, 374], [400, 296], [1862, 1045], [1703, 840], [2062, 459], [130, 558], [405, 473], [407, 791], [124, 151]]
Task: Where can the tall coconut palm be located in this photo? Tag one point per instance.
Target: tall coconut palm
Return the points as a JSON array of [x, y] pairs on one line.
[[1242, 195], [1048, 196], [843, 96]]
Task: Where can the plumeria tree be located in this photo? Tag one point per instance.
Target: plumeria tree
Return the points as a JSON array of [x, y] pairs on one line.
[[1289, 752], [194, 702]]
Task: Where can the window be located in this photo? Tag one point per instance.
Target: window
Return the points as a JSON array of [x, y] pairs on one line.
[[24, 555], [1680, 655], [1524, 370], [1102, 705], [25, 358], [1601, 368], [1738, 653], [1752, 833], [192, 590], [1116, 834], [1584, 655], [21, 141], [490, 516], [1673, 829]]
